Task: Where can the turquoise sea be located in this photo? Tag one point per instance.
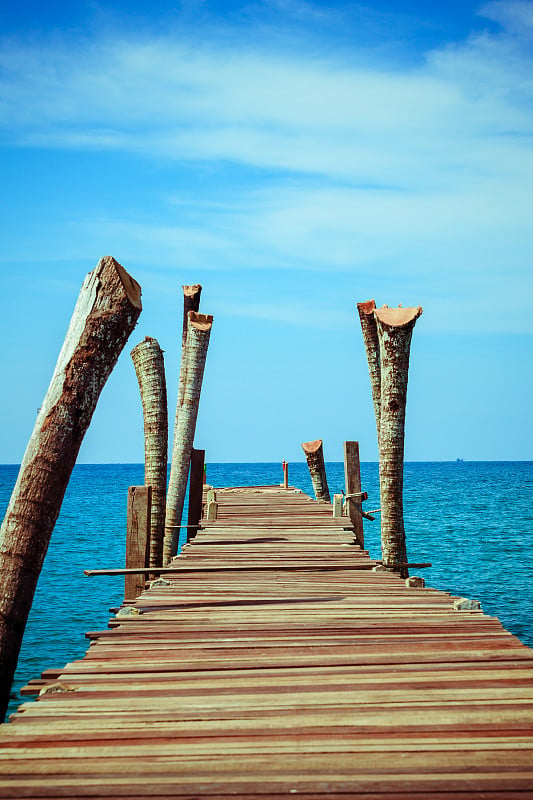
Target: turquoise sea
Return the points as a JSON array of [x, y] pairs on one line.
[[472, 520]]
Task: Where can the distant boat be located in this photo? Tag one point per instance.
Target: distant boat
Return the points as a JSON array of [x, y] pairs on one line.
[[459, 460]]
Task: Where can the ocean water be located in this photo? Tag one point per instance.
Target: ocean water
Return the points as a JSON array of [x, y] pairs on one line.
[[472, 520]]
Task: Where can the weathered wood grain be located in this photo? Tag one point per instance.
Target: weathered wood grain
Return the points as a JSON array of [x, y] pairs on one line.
[[271, 666]]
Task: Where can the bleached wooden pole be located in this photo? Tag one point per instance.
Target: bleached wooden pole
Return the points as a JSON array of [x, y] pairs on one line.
[[198, 334], [314, 454], [108, 307], [150, 370], [395, 329], [352, 480], [371, 342]]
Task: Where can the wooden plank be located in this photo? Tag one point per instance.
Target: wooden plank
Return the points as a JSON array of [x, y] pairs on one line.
[[270, 665]]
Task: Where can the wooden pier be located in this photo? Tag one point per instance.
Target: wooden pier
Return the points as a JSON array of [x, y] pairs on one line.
[[277, 663]]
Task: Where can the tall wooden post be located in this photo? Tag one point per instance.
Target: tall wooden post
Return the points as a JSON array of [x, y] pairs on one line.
[[285, 468], [196, 486], [371, 342], [137, 538], [352, 480], [195, 354], [150, 369], [191, 302], [108, 307], [314, 454], [395, 329]]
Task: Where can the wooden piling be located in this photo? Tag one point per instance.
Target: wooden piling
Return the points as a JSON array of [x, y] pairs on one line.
[[314, 454], [395, 328], [352, 479], [137, 538], [195, 354], [196, 485], [108, 307], [191, 302], [371, 342], [150, 370]]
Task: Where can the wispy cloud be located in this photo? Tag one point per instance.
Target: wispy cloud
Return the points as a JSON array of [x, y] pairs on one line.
[[408, 169]]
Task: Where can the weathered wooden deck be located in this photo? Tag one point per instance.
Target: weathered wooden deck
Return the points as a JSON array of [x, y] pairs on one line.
[[277, 663]]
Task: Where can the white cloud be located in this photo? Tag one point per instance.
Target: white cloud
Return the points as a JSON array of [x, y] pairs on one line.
[[515, 16], [294, 113], [413, 170]]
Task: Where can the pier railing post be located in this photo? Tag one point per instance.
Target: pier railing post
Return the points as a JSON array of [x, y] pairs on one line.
[[150, 369], [195, 354], [395, 329], [191, 302], [137, 538], [371, 342], [285, 468], [387, 335], [196, 486], [107, 310], [352, 479], [314, 454]]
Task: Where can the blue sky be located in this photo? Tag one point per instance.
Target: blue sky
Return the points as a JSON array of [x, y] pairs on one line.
[[293, 158]]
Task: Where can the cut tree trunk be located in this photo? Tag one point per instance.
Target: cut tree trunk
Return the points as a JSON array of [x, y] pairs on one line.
[[191, 302], [314, 454], [371, 342], [395, 328], [108, 307], [150, 369], [198, 334]]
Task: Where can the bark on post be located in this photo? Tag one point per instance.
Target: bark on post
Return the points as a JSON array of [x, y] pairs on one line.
[[395, 328], [371, 342], [108, 307], [196, 487], [198, 334], [315, 461], [191, 302], [352, 480], [137, 538], [150, 369]]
